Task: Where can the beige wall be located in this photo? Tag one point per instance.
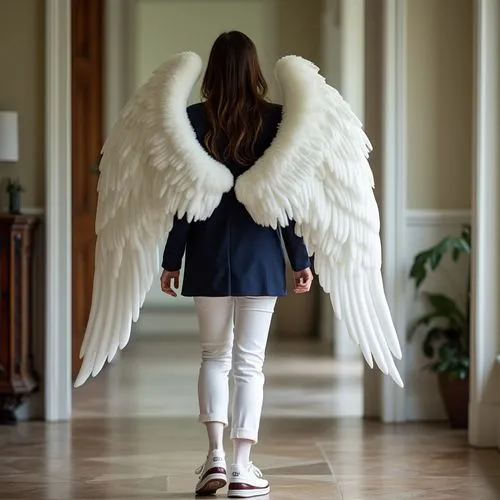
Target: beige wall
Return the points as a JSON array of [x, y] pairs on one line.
[[278, 27], [22, 89], [439, 103]]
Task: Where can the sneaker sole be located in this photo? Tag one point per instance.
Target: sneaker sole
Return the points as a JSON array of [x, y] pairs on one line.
[[211, 484], [248, 493]]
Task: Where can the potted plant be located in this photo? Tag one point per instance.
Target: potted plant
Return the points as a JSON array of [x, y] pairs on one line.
[[14, 189], [445, 328]]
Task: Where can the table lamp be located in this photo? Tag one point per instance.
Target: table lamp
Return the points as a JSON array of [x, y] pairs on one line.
[[9, 137]]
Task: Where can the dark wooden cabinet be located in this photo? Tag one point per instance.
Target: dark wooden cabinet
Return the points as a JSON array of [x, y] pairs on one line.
[[17, 379]]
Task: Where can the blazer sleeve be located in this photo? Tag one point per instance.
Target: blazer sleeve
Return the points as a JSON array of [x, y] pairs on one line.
[[295, 248], [176, 245]]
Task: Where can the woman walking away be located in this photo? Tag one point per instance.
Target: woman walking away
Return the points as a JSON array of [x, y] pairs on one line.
[[234, 268], [227, 184]]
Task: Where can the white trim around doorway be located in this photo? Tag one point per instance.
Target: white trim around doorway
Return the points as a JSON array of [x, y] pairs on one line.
[[484, 403], [57, 376], [394, 192], [118, 44]]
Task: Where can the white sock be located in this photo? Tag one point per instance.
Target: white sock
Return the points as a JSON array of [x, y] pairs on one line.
[[242, 449], [215, 432]]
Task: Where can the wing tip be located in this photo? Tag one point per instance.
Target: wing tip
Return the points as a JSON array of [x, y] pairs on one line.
[[397, 378], [396, 351], [81, 379], [98, 367]]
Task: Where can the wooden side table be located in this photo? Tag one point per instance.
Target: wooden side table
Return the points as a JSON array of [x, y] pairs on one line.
[[17, 378]]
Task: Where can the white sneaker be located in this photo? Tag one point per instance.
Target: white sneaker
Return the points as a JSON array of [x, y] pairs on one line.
[[213, 474], [247, 482]]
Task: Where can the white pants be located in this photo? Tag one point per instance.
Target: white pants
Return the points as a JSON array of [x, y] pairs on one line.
[[240, 345]]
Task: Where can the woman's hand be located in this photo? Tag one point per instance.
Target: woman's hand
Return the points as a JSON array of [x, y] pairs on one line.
[[303, 280], [166, 282]]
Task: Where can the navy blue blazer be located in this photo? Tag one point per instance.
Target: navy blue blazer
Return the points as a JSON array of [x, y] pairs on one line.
[[229, 254]]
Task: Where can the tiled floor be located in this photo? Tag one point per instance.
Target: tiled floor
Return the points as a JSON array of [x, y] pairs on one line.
[[135, 436]]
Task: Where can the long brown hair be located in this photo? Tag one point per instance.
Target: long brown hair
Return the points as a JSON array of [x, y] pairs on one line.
[[234, 89]]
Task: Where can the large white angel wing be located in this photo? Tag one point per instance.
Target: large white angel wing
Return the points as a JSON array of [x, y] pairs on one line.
[[151, 169], [316, 172]]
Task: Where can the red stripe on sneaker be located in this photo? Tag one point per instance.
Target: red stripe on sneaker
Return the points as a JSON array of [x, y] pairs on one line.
[[213, 470], [245, 486]]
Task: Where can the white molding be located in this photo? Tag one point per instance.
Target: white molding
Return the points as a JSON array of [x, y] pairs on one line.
[[113, 62], [352, 54], [130, 44], [431, 218], [485, 282], [58, 211], [498, 429], [119, 42], [38, 211], [427, 409], [160, 322], [394, 191]]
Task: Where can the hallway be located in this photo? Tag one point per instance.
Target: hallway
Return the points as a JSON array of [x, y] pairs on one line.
[[135, 436]]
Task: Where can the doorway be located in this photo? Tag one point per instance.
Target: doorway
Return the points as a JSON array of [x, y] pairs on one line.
[[61, 346]]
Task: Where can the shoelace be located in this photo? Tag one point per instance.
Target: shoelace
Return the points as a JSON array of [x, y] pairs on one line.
[[251, 468], [254, 469]]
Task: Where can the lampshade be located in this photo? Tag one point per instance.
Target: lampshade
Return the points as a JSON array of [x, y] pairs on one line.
[[9, 138]]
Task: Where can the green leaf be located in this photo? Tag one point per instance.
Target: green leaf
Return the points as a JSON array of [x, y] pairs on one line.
[[445, 354], [461, 245], [434, 254], [432, 257], [442, 366], [447, 307], [418, 270], [466, 233], [425, 320], [430, 338], [447, 337]]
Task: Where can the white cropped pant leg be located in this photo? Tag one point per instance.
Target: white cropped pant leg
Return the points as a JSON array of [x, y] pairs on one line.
[[234, 332]]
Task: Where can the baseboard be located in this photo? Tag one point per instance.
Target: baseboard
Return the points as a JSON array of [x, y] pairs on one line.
[[484, 426], [420, 409], [498, 415], [498, 429], [32, 408], [167, 322], [39, 211]]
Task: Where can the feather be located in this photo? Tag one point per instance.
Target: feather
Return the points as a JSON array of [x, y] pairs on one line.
[[316, 172], [152, 168]]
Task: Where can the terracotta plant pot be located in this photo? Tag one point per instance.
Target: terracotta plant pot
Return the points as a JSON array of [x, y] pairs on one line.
[[455, 394]]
